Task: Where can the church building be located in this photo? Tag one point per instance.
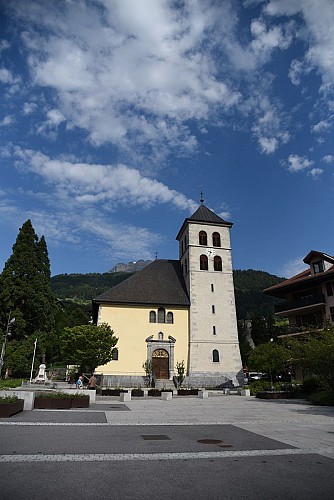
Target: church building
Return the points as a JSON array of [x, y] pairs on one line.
[[177, 310]]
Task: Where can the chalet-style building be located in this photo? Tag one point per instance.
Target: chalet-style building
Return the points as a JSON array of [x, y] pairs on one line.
[[178, 310], [308, 296]]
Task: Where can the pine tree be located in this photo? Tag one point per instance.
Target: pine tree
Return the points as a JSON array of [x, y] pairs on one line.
[[25, 292]]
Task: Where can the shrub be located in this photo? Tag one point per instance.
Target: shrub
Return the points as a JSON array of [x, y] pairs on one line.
[[323, 398], [312, 385], [54, 395], [8, 399], [12, 383]]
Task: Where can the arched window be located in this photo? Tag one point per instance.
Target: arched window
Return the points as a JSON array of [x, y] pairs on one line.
[[215, 356], [217, 263], [203, 263], [153, 317], [161, 315], [202, 238], [216, 240], [170, 318], [114, 354], [160, 336]]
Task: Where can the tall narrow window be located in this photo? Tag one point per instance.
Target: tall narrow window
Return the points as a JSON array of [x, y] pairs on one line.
[[215, 356], [203, 263], [216, 240], [170, 318], [213, 330], [217, 263], [329, 288], [213, 309], [203, 239], [114, 354], [212, 288], [153, 317], [161, 315]]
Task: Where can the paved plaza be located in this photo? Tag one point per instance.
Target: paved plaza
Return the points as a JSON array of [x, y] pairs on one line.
[[226, 447]]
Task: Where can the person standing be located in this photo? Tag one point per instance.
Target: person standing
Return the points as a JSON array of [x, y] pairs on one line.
[[92, 382]]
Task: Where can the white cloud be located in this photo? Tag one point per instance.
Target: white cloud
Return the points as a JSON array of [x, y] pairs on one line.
[[88, 184], [322, 126], [6, 76], [7, 120], [298, 163], [328, 159], [29, 108], [293, 267], [315, 172]]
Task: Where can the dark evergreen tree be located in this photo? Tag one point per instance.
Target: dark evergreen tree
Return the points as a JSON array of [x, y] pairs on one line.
[[25, 293]]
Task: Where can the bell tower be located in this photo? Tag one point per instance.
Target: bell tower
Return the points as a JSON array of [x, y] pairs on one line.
[[206, 262]]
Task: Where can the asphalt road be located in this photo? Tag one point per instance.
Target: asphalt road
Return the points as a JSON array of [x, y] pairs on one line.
[[99, 461]]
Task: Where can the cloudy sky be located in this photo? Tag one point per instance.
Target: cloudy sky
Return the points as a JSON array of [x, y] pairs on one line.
[[116, 113]]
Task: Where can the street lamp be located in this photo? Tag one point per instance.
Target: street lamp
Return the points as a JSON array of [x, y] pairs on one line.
[[7, 333]]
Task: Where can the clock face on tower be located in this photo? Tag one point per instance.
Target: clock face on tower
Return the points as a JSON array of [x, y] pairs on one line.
[[210, 252]]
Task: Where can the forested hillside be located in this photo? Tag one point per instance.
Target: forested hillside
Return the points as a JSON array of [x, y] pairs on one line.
[[248, 285]]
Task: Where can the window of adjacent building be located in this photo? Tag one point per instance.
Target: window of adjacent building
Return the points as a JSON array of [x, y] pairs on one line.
[[216, 240], [114, 354], [214, 330], [212, 288], [153, 317], [213, 309], [203, 263], [170, 318], [217, 263], [329, 288], [202, 237], [318, 267], [161, 315], [215, 356]]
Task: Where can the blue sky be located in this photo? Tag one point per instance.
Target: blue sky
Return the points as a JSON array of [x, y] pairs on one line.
[[116, 113]]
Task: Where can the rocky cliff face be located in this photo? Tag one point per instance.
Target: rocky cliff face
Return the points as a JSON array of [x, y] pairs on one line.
[[130, 267]]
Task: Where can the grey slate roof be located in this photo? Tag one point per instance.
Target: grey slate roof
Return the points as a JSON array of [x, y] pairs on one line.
[[204, 215], [159, 283]]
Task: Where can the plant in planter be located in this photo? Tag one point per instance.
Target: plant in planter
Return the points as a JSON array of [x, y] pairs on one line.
[[181, 370], [79, 401], [10, 405], [53, 400], [137, 393], [187, 392]]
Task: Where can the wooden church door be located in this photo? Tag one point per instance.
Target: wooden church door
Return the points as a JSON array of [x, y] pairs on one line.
[[160, 364]]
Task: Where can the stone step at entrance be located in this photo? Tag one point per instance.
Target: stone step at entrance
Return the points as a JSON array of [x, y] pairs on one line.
[[162, 383]]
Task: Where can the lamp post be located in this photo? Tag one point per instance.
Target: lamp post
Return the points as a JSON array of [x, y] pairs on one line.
[[7, 333]]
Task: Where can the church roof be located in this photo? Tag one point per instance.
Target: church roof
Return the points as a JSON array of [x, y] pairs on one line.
[[204, 215], [159, 283]]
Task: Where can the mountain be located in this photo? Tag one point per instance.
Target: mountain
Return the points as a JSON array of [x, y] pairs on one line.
[[248, 284], [130, 267]]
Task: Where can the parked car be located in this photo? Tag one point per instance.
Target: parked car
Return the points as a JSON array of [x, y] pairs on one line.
[[252, 376]]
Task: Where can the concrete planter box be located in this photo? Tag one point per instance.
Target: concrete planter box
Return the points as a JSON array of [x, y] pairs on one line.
[[245, 392], [9, 409], [187, 392]]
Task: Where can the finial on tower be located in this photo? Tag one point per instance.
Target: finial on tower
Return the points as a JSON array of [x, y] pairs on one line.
[[202, 199], [156, 255]]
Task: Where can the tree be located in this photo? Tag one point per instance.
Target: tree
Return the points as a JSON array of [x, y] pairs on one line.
[[88, 345], [25, 293], [270, 358]]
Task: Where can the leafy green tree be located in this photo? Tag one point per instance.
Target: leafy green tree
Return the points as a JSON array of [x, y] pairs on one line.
[[25, 293], [88, 345], [270, 358]]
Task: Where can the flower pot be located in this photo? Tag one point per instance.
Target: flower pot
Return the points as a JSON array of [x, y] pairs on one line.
[[9, 409], [80, 402]]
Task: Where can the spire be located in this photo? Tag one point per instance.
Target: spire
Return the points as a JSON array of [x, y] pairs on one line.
[[202, 199]]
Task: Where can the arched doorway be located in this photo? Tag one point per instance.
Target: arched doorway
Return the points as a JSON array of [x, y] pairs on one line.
[[160, 363]]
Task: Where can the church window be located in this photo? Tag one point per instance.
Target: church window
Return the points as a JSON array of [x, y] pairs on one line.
[[114, 354], [213, 309], [161, 315], [203, 239], [203, 263], [160, 336], [153, 317], [217, 263], [212, 288], [170, 318], [216, 240], [215, 356], [213, 330]]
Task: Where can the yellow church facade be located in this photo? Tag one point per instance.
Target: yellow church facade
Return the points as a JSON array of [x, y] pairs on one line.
[[177, 310]]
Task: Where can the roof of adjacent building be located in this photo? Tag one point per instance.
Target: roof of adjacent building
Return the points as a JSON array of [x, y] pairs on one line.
[[159, 283], [204, 215], [305, 278]]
